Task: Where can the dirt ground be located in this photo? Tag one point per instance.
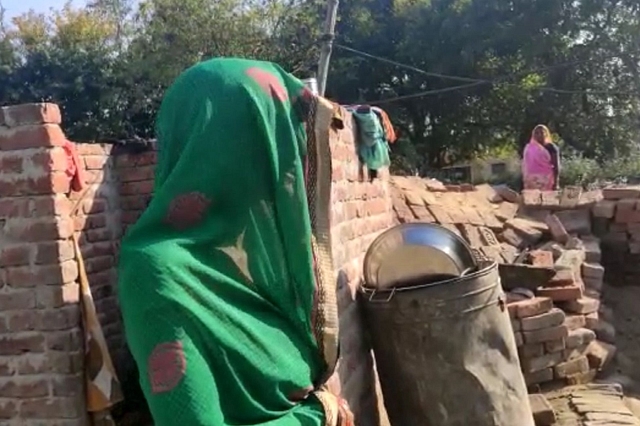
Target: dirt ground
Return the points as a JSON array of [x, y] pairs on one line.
[[625, 302]]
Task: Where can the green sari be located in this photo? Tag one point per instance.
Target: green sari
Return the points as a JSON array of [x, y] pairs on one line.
[[226, 283]]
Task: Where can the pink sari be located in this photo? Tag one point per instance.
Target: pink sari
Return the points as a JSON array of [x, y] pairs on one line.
[[537, 167]]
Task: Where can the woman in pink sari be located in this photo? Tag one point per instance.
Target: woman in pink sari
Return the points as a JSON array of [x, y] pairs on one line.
[[541, 161]]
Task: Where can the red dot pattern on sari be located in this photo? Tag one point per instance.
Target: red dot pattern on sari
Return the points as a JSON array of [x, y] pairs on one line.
[[187, 210], [269, 83], [166, 366]]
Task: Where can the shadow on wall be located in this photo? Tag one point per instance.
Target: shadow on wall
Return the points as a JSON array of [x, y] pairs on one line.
[[115, 176]]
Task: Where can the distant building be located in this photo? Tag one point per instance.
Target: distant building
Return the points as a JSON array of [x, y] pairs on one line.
[[481, 170]]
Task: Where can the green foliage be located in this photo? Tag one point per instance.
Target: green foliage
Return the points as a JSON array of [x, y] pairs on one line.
[[109, 63]]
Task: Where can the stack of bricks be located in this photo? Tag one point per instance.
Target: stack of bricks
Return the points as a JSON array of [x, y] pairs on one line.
[[41, 345], [617, 221], [558, 331]]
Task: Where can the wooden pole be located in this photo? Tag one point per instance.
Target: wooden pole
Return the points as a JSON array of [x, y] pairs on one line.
[[327, 46]]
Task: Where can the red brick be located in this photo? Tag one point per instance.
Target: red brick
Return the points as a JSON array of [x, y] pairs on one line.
[[93, 149], [51, 408], [570, 368], [8, 408], [35, 207], [545, 335], [136, 160], [33, 136], [50, 160], [12, 163], [24, 320], [15, 255], [25, 277], [98, 235], [592, 270], [57, 296], [555, 346], [550, 199], [600, 354], [531, 365], [42, 230], [562, 278], [99, 264], [530, 307], [17, 344], [532, 197], [620, 193], [574, 322], [541, 258], [531, 351], [543, 413], [67, 385], [574, 353], [579, 337], [90, 222], [561, 294], [96, 162], [35, 113], [65, 341], [54, 252], [13, 300], [538, 377], [50, 183], [552, 318], [97, 249], [135, 188], [23, 387], [507, 193], [60, 318], [137, 174], [605, 209], [558, 232], [94, 206], [581, 378], [583, 306], [575, 221]]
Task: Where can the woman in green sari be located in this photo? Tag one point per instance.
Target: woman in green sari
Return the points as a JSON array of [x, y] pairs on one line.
[[226, 283]]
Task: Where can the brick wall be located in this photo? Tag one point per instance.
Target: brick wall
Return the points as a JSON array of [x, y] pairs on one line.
[[361, 209], [40, 341]]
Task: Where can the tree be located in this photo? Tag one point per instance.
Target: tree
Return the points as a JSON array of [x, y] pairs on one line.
[[488, 39]]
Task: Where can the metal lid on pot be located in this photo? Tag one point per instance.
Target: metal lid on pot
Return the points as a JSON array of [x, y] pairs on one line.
[[416, 253]]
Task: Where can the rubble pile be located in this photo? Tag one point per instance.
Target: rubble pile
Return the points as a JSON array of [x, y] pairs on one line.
[[616, 219], [550, 266]]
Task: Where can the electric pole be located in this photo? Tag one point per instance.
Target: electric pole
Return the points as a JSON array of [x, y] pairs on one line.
[[329, 29]]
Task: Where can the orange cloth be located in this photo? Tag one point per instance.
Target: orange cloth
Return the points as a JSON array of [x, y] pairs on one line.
[[75, 170], [386, 124]]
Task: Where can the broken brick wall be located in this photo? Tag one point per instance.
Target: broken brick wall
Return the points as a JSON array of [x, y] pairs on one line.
[[40, 340], [41, 348]]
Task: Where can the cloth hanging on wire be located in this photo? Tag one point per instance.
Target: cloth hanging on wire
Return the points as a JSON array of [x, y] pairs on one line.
[[373, 146]]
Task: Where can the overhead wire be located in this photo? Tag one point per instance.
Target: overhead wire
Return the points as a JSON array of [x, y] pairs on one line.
[[474, 82]]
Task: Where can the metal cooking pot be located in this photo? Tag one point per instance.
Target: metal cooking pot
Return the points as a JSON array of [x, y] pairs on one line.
[[416, 253]]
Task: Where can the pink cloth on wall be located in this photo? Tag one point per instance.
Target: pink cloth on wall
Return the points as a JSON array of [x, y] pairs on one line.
[[75, 169], [537, 167]]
